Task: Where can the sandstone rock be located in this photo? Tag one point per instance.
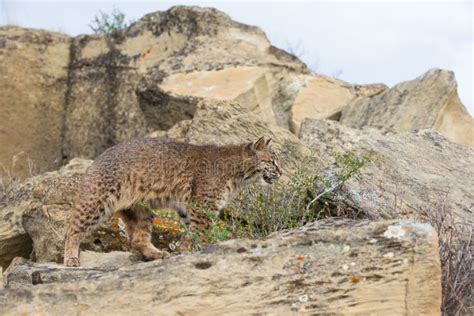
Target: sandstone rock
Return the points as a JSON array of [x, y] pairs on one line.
[[33, 193], [331, 266], [410, 173], [427, 102], [97, 91], [323, 97], [33, 75], [151, 75], [220, 122], [35, 217], [246, 85]]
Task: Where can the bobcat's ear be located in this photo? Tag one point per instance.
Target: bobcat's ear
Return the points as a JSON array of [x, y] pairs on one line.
[[261, 143]]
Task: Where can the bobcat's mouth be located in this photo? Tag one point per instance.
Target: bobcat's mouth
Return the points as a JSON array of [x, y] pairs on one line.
[[268, 179]]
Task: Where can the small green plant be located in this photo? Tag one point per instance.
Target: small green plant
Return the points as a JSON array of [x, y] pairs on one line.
[[105, 23], [348, 164]]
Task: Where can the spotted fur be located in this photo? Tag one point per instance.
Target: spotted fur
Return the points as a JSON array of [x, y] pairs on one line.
[[165, 173]]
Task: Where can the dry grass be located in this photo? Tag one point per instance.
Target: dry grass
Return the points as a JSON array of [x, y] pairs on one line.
[[455, 250], [9, 181]]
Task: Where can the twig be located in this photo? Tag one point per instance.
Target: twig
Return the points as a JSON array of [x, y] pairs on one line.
[[334, 187]]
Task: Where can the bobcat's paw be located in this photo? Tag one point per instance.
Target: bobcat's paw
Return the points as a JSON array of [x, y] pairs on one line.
[[165, 255], [155, 255], [72, 262]]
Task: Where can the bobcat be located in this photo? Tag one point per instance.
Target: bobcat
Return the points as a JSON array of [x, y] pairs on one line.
[[165, 173]]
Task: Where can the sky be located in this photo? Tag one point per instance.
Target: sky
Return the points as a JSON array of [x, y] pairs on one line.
[[356, 41]]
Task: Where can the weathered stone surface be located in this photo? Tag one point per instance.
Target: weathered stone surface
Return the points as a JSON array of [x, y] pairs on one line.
[[36, 192], [323, 97], [33, 75], [35, 217], [427, 102], [246, 85], [332, 266], [74, 97], [151, 75], [410, 172], [220, 122]]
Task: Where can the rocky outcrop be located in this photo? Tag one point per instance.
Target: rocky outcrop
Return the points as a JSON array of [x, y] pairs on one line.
[[74, 97], [33, 78], [427, 102], [35, 216], [332, 266], [324, 97], [151, 75], [409, 173]]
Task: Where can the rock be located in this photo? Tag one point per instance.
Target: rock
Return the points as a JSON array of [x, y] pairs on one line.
[[220, 122], [331, 266], [411, 173], [33, 77], [35, 217], [151, 76], [247, 85], [98, 91], [323, 98], [427, 102]]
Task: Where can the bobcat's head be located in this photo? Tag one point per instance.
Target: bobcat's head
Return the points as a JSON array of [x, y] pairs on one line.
[[263, 163]]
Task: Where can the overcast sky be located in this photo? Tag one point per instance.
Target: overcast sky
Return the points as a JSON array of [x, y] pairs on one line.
[[359, 42]]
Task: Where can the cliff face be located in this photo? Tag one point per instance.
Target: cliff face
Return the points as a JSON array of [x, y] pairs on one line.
[[33, 82]]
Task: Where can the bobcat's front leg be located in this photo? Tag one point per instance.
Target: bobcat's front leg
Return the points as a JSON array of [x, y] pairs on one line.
[[198, 220]]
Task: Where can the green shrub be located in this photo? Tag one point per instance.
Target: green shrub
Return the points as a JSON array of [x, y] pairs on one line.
[[105, 23]]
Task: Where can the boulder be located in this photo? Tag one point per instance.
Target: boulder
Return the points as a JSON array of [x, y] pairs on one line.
[[409, 173], [323, 97], [35, 217], [33, 79], [428, 102], [48, 189], [331, 266], [221, 122]]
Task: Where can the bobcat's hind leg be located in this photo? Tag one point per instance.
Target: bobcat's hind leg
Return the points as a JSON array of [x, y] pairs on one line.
[[139, 227], [84, 220]]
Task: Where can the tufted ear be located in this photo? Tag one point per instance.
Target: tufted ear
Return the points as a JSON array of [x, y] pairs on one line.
[[260, 144]]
